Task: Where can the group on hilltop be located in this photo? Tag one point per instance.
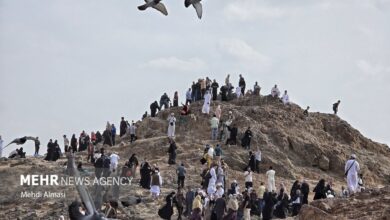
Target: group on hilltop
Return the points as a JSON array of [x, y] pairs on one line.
[[215, 197]]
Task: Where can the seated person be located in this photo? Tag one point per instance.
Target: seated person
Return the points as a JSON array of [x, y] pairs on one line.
[[185, 110]]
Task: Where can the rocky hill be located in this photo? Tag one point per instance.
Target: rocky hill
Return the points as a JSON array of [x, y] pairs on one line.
[[297, 147]]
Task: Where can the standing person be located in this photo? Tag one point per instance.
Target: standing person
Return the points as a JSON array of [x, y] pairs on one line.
[[258, 159], [203, 87], [351, 170], [66, 143], [198, 90], [166, 211], [188, 96], [37, 143], [320, 190], [113, 133], [206, 104], [271, 179], [132, 130], [99, 137], [252, 161], [260, 200], [107, 137], [100, 164], [242, 84], [164, 101], [82, 141], [156, 184], [232, 140], [232, 208], [269, 204], [1, 147], [218, 112], [176, 99], [122, 127], [172, 152], [171, 125], [275, 92], [221, 175], [224, 94], [214, 122], [93, 138], [179, 200], [181, 175], [50, 151], [285, 98], [190, 196], [73, 143], [220, 207], [256, 89], [145, 172], [246, 140], [248, 178], [214, 88], [91, 151], [336, 107], [246, 206], [238, 92], [306, 112], [305, 189], [197, 208], [193, 92], [218, 153], [114, 161], [153, 109]]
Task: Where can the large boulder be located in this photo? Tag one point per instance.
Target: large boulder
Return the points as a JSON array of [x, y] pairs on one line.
[[313, 213], [323, 162]]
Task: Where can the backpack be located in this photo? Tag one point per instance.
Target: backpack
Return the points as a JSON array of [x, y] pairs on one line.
[[106, 162], [155, 180], [217, 151], [99, 163]]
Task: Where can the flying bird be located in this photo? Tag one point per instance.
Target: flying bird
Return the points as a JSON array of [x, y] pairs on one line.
[[20, 141], [156, 4], [197, 5]]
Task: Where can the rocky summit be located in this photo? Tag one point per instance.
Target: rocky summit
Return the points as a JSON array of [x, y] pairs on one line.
[[298, 147]]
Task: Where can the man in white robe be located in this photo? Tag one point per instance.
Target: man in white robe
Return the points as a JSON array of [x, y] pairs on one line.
[[275, 91], [206, 104], [156, 185], [219, 192], [271, 179], [238, 92], [351, 170], [285, 98], [171, 125], [211, 187], [114, 161]]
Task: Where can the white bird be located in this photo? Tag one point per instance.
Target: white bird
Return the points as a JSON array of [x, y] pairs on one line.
[[197, 5], [156, 4]]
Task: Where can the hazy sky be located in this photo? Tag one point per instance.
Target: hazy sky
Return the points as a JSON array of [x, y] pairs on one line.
[[71, 65]]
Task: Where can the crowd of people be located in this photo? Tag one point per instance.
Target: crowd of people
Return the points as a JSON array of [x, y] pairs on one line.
[[214, 198]]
